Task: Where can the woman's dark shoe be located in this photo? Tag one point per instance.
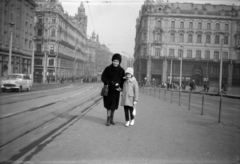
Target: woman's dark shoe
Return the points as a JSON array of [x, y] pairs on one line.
[[111, 120], [108, 121]]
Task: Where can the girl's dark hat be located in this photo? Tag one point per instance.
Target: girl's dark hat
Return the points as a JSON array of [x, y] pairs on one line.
[[117, 57]]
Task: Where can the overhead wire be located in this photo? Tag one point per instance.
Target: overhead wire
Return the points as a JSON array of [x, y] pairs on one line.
[[91, 17]]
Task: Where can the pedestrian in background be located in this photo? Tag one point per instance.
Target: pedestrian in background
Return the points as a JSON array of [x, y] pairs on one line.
[[113, 77], [192, 86], [129, 95]]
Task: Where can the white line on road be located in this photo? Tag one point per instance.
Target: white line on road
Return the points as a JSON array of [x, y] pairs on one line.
[[196, 105]]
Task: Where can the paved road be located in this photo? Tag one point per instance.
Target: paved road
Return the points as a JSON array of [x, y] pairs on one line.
[[163, 133]]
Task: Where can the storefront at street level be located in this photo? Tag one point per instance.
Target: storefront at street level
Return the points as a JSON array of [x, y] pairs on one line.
[[199, 70]]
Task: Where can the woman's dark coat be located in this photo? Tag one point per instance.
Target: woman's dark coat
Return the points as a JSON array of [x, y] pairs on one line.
[[110, 76]]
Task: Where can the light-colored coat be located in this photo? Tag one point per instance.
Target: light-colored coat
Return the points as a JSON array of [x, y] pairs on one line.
[[130, 92]]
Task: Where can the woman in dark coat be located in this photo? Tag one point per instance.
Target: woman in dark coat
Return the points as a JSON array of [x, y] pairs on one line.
[[113, 77]]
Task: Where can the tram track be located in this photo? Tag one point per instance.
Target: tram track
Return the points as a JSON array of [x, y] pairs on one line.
[[40, 106], [20, 98], [84, 107]]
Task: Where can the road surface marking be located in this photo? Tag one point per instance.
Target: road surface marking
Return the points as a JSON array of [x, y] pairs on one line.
[[196, 105]]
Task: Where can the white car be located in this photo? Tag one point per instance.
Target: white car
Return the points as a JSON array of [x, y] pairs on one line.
[[17, 82]]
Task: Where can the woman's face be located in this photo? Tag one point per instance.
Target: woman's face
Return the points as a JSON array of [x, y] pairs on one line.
[[115, 63]]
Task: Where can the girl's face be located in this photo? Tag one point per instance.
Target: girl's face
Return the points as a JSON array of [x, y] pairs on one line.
[[128, 75], [115, 63]]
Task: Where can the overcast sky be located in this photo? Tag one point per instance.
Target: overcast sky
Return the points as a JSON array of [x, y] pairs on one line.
[[114, 20]]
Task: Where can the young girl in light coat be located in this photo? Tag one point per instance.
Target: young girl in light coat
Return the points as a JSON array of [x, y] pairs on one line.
[[129, 95]]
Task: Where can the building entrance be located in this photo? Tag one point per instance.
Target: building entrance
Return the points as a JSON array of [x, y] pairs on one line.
[[197, 74], [198, 79]]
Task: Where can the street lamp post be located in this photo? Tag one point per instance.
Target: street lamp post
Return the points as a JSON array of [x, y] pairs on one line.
[[180, 79], [33, 49], [10, 49], [170, 80], [181, 57], [221, 64]]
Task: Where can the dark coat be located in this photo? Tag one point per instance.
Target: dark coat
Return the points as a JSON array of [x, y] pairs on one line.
[[110, 76]]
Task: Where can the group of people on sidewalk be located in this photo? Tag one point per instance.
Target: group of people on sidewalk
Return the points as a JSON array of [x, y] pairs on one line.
[[120, 81]]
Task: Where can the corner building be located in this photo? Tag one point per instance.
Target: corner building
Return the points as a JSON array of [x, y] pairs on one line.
[[201, 33], [19, 13], [60, 42]]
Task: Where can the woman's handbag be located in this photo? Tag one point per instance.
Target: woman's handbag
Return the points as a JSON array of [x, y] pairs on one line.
[[104, 91]]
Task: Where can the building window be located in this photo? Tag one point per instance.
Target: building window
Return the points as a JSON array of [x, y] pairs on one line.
[[199, 38], [157, 52], [145, 23], [208, 39], [238, 41], [51, 62], [53, 33], [199, 26], [39, 32], [39, 19], [208, 26], [53, 20], [144, 36], [238, 56], [198, 54], [38, 61], [171, 52], [225, 40], [172, 37], [39, 47], [217, 39], [158, 37], [189, 53], [159, 23], [190, 38], [226, 27], [180, 52], [207, 54], [172, 24], [191, 25], [51, 49], [144, 51], [181, 38], [217, 26], [216, 55], [182, 25], [238, 27], [225, 55]]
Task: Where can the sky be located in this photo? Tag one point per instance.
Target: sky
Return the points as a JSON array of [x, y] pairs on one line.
[[115, 20]]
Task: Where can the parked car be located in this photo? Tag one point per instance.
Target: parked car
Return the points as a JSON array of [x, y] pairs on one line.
[[17, 82]]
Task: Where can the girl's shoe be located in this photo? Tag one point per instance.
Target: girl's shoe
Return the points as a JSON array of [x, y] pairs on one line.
[[132, 122], [127, 123]]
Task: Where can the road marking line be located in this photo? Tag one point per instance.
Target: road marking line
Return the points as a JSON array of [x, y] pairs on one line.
[[196, 105], [233, 109]]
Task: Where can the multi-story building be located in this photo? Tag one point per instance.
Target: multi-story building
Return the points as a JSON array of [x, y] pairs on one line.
[[91, 65], [199, 33], [60, 41], [16, 20]]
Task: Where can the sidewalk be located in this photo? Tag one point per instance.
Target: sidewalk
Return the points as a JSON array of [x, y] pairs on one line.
[[163, 133]]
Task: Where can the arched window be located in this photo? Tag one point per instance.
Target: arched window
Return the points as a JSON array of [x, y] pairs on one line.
[[53, 33], [217, 39], [208, 39], [190, 38], [172, 37]]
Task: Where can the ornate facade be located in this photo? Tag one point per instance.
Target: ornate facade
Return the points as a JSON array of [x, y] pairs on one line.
[[201, 33], [21, 15], [60, 41]]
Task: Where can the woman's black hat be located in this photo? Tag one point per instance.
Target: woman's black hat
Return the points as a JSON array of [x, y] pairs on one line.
[[117, 57]]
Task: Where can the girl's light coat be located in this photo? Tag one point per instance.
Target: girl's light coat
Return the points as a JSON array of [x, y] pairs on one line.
[[130, 92]]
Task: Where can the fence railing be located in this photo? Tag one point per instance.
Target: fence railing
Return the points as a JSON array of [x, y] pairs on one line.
[[182, 96]]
